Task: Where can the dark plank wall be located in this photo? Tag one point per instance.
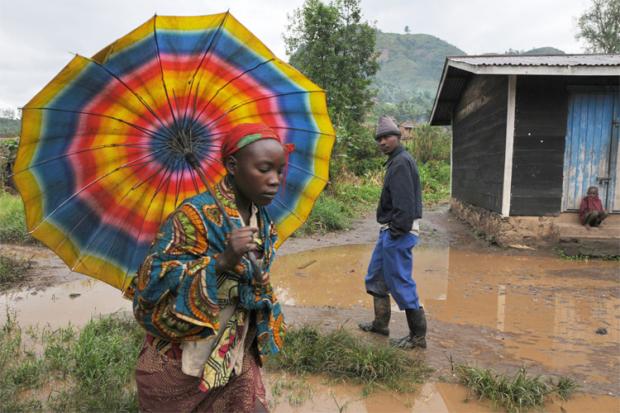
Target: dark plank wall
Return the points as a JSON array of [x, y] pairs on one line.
[[540, 133], [538, 161], [479, 140]]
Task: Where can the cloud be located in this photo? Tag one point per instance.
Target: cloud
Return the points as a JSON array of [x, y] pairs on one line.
[[37, 38]]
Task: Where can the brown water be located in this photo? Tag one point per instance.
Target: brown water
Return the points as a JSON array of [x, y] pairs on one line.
[[545, 309], [323, 397], [74, 302]]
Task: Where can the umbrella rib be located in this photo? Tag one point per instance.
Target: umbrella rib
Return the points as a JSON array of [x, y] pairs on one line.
[[276, 200], [146, 105], [299, 168], [87, 215], [149, 132], [93, 236], [163, 208], [229, 83], [240, 105], [333, 135], [67, 154], [167, 172], [161, 69], [204, 55], [127, 165]]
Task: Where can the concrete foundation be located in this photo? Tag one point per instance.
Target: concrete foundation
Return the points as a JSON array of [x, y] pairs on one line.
[[563, 231]]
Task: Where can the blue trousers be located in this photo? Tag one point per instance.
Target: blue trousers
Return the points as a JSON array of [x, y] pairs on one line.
[[390, 270]]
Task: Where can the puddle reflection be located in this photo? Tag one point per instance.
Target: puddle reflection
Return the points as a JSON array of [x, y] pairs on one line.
[[549, 308]]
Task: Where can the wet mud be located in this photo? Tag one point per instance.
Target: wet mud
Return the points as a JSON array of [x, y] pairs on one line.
[[486, 306]]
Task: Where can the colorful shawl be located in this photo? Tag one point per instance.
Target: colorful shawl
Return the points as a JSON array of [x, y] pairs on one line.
[[178, 295]]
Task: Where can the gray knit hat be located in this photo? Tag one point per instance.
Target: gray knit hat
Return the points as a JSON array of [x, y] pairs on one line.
[[386, 126]]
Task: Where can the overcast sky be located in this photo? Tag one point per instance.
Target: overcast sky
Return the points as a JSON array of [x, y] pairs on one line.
[[38, 37]]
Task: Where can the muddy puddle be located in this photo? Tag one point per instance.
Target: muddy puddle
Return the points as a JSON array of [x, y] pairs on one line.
[[543, 310], [73, 302], [315, 395]]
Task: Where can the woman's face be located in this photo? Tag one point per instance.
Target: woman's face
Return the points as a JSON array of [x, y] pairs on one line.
[[257, 170]]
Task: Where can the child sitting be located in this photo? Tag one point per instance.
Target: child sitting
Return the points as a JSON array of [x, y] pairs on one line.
[[591, 211]]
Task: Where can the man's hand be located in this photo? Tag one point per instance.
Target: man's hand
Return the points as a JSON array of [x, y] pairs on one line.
[[240, 242]]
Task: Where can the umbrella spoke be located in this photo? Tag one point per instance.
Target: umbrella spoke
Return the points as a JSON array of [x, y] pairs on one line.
[[93, 212], [206, 106], [161, 68], [152, 134], [146, 105], [250, 101], [165, 177], [116, 217], [299, 168], [69, 154], [84, 188], [213, 41]]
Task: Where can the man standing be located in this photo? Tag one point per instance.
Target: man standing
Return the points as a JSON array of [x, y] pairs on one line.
[[391, 265]]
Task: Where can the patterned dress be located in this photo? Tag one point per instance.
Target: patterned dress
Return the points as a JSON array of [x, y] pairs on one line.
[[179, 297]]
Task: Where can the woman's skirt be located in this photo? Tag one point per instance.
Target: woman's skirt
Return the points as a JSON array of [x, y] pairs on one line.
[[163, 387]]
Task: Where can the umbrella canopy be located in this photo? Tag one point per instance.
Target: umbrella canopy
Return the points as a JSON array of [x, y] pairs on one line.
[[102, 157]]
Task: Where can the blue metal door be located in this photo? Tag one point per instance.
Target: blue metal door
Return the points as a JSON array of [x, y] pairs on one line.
[[590, 157]]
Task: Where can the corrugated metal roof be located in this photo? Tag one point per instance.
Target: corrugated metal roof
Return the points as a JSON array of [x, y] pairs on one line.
[[540, 60], [458, 69]]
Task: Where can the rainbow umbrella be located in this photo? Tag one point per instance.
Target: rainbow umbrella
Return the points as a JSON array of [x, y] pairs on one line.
[[103, 158]]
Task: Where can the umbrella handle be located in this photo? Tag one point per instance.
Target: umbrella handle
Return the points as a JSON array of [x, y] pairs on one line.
[[193, 162]]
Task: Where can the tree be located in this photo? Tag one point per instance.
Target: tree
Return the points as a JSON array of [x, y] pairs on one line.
[[599, 26], [331, 45], [407, 30]]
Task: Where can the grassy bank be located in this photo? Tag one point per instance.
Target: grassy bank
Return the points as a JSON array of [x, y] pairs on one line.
[[341, 355], [517, 393], [69, 369], [12, 220]]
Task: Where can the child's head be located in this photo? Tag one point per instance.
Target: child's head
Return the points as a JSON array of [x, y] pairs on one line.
[[593, 191]]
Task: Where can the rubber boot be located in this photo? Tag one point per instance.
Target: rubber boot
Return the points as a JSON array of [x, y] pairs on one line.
[[381, 323], [416, 321]]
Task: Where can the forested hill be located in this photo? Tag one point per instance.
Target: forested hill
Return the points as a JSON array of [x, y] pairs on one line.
[[410, 64]]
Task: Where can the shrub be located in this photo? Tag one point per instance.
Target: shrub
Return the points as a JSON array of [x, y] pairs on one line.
[[12, 220]]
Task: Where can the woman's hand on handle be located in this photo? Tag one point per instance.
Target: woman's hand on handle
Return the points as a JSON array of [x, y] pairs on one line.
[[240, 242]]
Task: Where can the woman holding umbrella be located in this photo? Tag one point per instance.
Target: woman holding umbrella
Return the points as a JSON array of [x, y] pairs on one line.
[[209, 318]]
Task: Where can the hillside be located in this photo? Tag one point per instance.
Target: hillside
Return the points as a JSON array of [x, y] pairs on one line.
[[410, 64]]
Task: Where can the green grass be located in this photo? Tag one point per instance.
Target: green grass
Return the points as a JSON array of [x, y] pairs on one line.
[[342, 356], [12, 270], [12, 220], [340, 204], [88, 370], [518, 393]]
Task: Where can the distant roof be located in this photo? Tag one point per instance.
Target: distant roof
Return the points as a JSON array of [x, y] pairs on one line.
[[458, 69], [563, 60]]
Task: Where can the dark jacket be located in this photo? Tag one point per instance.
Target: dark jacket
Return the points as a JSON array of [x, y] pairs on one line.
[[401, 197]]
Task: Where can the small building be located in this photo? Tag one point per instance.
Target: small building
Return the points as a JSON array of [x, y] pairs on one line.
[[406, 130], [530, 134]]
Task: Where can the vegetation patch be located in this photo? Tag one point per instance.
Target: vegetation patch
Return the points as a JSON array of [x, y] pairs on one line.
[[12, 220], [342, 356], [82, 370], [339, 204], [517, 393], [12, 270]]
